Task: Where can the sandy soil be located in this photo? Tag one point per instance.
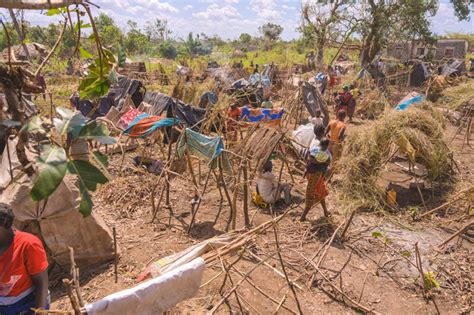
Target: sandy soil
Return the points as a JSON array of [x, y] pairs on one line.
[[375, 271]]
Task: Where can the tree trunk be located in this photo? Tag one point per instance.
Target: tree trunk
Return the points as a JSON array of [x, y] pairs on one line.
[[320, 46], [20, 34]]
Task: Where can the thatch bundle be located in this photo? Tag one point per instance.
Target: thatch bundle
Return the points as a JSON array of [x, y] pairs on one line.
[[415, 133], [372, 104]]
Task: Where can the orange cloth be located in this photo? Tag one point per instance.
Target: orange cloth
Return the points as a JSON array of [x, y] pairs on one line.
[[24, 258], [336, 127]]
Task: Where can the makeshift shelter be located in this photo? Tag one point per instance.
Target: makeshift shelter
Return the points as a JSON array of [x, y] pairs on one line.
[[114, 98], [261, 145], [314, 101], [454, 68], [419, 74], [56, 220], [161, 103]]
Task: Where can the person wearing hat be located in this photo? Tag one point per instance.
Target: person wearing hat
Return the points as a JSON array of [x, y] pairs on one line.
[[23, 269], [316, 167]]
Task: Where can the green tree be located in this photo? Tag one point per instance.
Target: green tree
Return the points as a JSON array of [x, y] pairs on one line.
[[383, 22], [136, 42], [245, 38], [157, 30], [321, 22], [167, 50], [110, 34], [463, 8], [271, 33]]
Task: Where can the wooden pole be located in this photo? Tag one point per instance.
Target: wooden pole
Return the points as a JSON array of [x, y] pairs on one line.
[[115, 255], [246, 194], [20, 34], [233, 214], [199, 202]]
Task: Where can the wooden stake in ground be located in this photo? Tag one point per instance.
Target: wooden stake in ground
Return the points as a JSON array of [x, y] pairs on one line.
[[290, 284], [115, 255], [246, 194]]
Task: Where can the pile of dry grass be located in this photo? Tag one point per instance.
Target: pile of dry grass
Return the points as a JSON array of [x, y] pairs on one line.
[[416, 133], [457, 96], [372, 104]]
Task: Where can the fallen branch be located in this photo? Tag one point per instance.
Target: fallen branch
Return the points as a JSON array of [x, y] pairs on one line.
[[460, 231], [453, 200]]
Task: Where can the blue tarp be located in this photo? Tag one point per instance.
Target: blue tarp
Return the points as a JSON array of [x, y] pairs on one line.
[[404, 105]]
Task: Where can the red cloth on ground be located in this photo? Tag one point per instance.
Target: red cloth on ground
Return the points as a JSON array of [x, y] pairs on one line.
[[25, 257]]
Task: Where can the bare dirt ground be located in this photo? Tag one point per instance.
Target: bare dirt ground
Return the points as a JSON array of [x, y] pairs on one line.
[[376, 272]]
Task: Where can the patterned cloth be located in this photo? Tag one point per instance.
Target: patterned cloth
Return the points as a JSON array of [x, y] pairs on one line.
[[267, 115], [316, 189], [128, 118], [144, 125], [205, 147]]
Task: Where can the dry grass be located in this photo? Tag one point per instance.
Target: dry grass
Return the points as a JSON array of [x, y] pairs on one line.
[[416, 133]]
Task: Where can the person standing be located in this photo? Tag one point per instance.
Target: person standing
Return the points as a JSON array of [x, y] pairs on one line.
[[355, 92], [336, 132], [23, 269], [316, 168]]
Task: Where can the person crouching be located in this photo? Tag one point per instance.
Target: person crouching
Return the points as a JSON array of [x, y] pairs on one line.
[[269, 189]]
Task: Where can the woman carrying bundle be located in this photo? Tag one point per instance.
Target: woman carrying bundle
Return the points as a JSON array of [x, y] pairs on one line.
[[316, 168]]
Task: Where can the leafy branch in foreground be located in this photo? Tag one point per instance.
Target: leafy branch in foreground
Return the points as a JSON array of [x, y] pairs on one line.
[[56, 159]]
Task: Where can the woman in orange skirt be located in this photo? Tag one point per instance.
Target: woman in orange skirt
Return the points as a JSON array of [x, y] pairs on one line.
[[316, 167]]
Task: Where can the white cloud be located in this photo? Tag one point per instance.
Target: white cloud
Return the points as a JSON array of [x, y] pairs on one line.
[[188, 7], [231, 1], [446, 22], [286, 7], [265, 9], [154, 5], [217, 12]]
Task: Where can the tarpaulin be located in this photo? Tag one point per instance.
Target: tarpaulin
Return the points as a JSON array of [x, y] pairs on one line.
[[161, 103], [144, 125], [411, 98], [205, 147], [269, 115], [154, 296]]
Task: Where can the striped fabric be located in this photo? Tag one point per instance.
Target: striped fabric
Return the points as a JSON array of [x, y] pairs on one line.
[[205, 147], [144, 125]]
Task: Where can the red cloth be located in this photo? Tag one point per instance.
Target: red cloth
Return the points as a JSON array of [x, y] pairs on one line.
[[128, 117], [321, 190], [25, 257]]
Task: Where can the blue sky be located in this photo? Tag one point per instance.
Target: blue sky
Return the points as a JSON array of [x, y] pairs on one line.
[[229, 18]]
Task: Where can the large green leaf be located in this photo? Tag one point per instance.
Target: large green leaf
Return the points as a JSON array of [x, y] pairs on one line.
[[84, 53], [96, 89], [53, 166], [97, 132], [34, 124], [83, 26], [72, 122], [101, 161], [52, 12], [85, 208], [88, 174]]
